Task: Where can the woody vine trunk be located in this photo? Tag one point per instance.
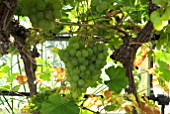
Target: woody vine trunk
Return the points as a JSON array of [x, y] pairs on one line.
[[7, 8]]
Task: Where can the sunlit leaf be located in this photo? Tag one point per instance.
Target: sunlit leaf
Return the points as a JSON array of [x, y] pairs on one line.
[[5, 69], [16, 88], [11, 77], [164, 70], [55, 51], [46, 75], [5, 87]]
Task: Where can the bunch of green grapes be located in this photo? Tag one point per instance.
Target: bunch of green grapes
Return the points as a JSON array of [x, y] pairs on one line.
[[42, 13], [83, 63]]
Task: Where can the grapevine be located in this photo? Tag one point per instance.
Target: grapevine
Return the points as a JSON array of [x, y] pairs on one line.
[[83, 61]]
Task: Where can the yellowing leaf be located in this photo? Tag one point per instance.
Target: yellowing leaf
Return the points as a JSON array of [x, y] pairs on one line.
[[21, 79]]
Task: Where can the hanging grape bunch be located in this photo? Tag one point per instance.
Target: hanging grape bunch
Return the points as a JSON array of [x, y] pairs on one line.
[[83, 62], [42, 13]]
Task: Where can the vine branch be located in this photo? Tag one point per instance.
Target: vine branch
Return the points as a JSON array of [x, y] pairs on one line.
[[127, 52]]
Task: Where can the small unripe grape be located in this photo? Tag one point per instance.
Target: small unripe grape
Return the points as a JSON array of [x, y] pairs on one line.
[[82, 74], [68, 78], [75, 45], [56, 14], [69, 65], [75, 78], [81, 59], [82, 68], [95, 77], [91, 67], [49, 15], [75, 94], [81, 82], [41, 5], [40, 15], [83, 89], [93, 58], [101, 56], [85, 62], [94, 49], [78, 53], [87, 72], [85, 53], [76, 71], [72, 52], [90, 51], [74, 61], [43, 23], [73, 84], [99, 47], [105, 53]]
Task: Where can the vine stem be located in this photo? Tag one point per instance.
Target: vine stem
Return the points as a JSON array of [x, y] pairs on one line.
[[95, 26], [8, 103]]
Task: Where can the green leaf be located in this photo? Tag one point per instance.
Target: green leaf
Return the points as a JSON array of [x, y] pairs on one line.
[[55, 51], [16, 88], [11, 77], [55, 104], [160, 2], [164, 70], [5, 69], [162, 56], [46, 75], [110, 107], [5, 87], [118, 79]]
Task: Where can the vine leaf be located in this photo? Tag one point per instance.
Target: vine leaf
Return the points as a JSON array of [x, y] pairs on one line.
[[11, 77], [118, 79], [110, 107], [56, 104], [16, 88], [164, 70], [46, 75]]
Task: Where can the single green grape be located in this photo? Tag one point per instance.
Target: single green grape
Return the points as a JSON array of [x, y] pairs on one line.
[[75, 45], [81, 82], [78, 54], [40, 15], [75, 71], [93, 58], [95, 51], [83, 89], [72, 52], [101, 56], [75, 94], [75, 78], [92, 67], [87, 72], [86, 62], [90, 51], [100, 47], [82, 67], [74, 61], [81, 59], [73, 84], [40, 5], [85, 53]]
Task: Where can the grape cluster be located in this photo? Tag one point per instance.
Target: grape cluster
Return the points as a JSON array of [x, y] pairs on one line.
[[83, 61], [42, 13]]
